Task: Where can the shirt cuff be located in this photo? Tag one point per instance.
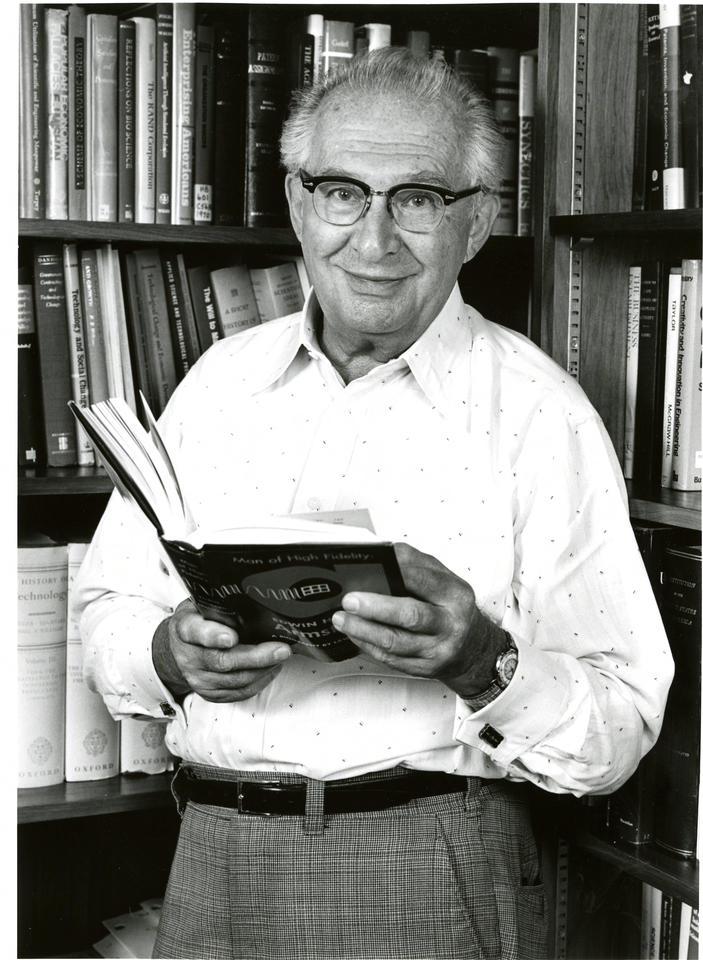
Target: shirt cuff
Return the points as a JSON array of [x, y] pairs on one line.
[[529, 708]]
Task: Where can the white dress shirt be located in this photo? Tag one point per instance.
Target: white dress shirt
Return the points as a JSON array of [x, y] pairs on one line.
[[473, 446]]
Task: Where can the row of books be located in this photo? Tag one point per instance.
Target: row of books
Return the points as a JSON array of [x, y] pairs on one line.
[[174, 118], [659, 803], [669, 92], [669, 927], [95, 323], [64, 729], [663, 376]]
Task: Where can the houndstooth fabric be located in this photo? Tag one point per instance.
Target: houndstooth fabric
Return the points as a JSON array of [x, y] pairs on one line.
[[454, 876]]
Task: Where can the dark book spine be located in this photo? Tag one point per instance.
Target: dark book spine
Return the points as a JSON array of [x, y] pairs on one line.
[[93, 326], [631, 807], [678, 747], [505, 75], [652, 539], [164, 81], [136, 332], [647, 456], [691, 75], [228, 170], [301, 59], [206, 321], [77, 209], [32, 111], [126, 121], [655, 125], [672, 158], [30, 441], [473, 66], [157, 330], [265, 197], [175, 314], [204, 124], [639, 164], [54, 361]]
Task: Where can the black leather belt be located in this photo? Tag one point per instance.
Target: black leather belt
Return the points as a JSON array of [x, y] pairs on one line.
[[271, 798]]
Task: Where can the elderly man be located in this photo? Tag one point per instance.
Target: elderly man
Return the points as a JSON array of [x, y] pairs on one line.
[[372, 808]]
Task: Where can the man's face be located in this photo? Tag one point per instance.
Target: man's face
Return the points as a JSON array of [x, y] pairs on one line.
[[374, 280]]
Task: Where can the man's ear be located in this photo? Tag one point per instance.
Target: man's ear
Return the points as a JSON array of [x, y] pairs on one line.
[[485, 213], [294, 195]]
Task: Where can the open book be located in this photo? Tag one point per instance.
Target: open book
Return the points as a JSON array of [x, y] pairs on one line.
[[281, 579]]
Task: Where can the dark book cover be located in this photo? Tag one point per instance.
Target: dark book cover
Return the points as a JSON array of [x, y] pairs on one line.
[[164, 80], [504, 66], [229, 122], [678, 747], [126, 110], [647, 455], [203, 164], [32, 112], [185, 344], [639, 148], [631, 806], [208, 327], [30, 440], [300, 62], [672, 157], [77, 199], [91, 299], [652, 539], [691, 75], [655, 121], [265, 204], [473, 65], [136, 330], [54, 360], [157, 330]]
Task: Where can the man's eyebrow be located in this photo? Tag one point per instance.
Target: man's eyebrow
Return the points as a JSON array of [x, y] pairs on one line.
[[430, 177]]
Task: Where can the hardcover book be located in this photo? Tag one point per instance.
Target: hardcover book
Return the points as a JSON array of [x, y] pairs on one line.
[[157, 332], [639, 150], [229, 121], [233, 294], [281, 578], [101, 128], [276, 290], [337, 45], [672, 156], [473, 65], [142, 747], [126, 120], [76, 345], [673, 305], [183, 113], [180, 314], [145, 121], [634, 287], [505, 76], [691, 77], [31, 112], [200, 286], [76, 114], [204, 124], [525, 160], [687, 454], [655, 124], [93, 325], [56, 50], [29, 417], [164, 81]]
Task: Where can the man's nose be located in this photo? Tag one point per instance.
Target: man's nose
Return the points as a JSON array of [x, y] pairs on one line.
[[376, 233]]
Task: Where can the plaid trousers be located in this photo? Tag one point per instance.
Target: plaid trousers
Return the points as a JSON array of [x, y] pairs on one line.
[[455, 876]]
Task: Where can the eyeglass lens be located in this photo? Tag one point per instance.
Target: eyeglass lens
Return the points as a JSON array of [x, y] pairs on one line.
[[413, 209]]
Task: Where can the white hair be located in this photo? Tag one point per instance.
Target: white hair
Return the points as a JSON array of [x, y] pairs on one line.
[[393, 71]]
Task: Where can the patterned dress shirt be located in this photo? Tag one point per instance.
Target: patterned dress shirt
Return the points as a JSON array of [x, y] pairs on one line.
[[473, 446]]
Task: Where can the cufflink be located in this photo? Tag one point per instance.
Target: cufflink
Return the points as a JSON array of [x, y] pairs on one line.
[[490, 736], [167, 709]]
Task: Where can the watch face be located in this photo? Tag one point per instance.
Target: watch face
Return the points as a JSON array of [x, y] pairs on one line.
[[506, 666]]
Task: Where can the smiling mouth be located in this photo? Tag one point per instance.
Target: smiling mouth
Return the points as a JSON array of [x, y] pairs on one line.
[[363, 278]]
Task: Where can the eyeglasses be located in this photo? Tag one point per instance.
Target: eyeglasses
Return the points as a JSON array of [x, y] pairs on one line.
[[416, 207]]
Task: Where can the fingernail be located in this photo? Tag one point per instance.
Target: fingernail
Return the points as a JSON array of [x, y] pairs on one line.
[[351, 602], [338, 620], [225, 639], [282, 653]]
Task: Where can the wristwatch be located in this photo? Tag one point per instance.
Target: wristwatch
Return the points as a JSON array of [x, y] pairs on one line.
[[503, 672]]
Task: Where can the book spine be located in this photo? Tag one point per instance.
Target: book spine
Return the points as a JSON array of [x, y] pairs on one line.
[[277, 291], [505, 69], [103, 122], [229, 121], [234, 299], [474, 67], [56, 38], [154, 312], [687, 455], [76, 114], [136, 332], [651, 921], [337, 45], [92, 736], [42, 581], [183, 113], [32, 111], [76, 343], [93, 326], [631, 358], [204, 125], [672, 159], [111, 337], [126, 121], [655, 133], [301, 58], [646, 468], [263, 293], [164, 82], [190, 329], [652, 539], [525, 170], [265, 197], [639, 149], [631, 807], [670, 365], [30, 451], [142, 747], [175, 315], [54, 363], [204, 311], [122, 334], [145, 122], [691, 83]]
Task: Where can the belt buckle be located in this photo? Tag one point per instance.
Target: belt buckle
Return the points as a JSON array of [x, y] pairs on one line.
[[241, 797]]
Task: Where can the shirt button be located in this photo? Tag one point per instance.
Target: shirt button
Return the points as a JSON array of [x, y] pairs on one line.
[[314, 503]]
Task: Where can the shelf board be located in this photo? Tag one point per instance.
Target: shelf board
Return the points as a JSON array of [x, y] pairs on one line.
[[92, 798], [648, 863], [54, 481], [676, 507], [632, 222], [76, 230]]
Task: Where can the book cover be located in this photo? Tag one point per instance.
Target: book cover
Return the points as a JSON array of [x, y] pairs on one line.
[[276, 290], [504, 79], [76, 347], [30, 442], [234, 299], [371, 36], [265, 204], [102, 116], [687, 455], [183, 113], [42, 584], [678, 748], [672, 157], [76, 113], [337, 45], [56, 66], [207, 325], [92, 736], [473, 65], [126, 120], [54, 362], [229, 122], [32, 108], [300, 63], [142, 747], [164, 83], [145, 121], [157, 332], [691, 87], [634, 286], [110, 323], [673, 303], [631, 806], [138, 352], [93, 325], [203, 186], [526, 124], [282, 578], [183, 334], [652, 539], [639, 148], [655, 124]]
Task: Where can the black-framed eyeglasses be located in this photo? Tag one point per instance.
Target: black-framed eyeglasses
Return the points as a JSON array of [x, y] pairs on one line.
[[416, 207]]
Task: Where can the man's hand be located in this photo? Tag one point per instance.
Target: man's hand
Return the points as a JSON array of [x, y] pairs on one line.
[[194, 654], [437, 632]]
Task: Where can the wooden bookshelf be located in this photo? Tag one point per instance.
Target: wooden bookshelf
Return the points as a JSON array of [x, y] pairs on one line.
[[57, 481], [92, 798], [630, 222], [676, 507]]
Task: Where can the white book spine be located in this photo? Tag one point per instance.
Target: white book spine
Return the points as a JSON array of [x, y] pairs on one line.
[[145, 117], [42, 584], [631, 364], [56, 35], [76, 345], [113, 352], [183, 114], [670, 366], [687, 455], [142, 747], [92, 736]]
